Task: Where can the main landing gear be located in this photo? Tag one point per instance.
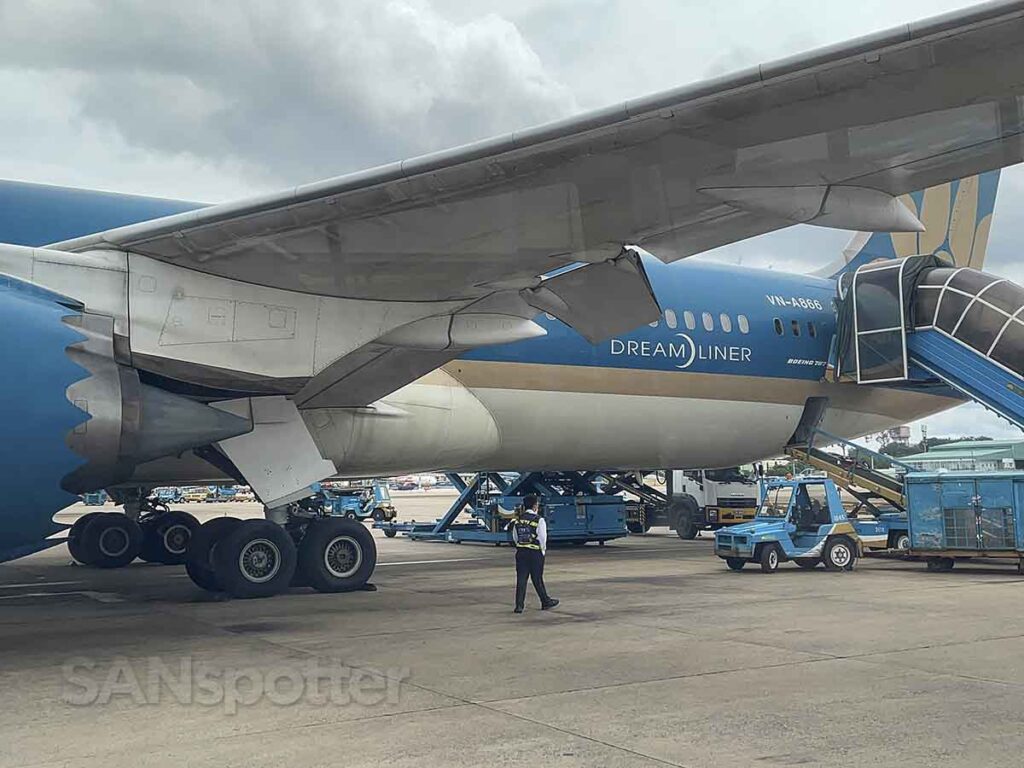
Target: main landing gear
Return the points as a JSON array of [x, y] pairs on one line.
[[147, 530], [301, 546], [260, 558]]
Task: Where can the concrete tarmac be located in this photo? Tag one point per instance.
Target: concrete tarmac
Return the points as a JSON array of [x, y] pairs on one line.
[[658, 655]]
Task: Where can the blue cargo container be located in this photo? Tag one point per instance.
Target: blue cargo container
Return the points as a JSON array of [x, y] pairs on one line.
[[959, 515]]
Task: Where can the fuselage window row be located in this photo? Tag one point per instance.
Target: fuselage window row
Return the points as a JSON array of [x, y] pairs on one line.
[[725, 321]]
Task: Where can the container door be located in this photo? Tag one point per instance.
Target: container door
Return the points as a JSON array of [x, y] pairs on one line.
[[1018, 492], [959, 517], [996, 524]]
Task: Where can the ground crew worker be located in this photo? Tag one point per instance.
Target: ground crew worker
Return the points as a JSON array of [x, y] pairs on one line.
[[530, 536]]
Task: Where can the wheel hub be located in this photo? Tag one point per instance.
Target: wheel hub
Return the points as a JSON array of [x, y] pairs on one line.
[[176, 539], [343, 556], [114, 542], [840, 555], [259, 561]]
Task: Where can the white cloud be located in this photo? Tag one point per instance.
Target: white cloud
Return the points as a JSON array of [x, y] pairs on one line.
[[271, 93], [969, 419]]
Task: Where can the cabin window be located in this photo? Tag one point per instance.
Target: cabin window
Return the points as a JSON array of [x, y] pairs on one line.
[[726, 322], [689, 320], [708, 321], [778, 327], [811, 330], [743, 323], [796, 327], [670, 319]]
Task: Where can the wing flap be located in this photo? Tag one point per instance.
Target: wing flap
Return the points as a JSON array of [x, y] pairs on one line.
[[599, 300]]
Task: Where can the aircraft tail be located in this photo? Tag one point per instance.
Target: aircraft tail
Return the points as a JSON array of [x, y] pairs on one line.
[[957, 217]]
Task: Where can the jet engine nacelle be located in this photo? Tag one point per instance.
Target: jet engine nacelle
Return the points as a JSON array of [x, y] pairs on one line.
[[73, 418], [129, 422]]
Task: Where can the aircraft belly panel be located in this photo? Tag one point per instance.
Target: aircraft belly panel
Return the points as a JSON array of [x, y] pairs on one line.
[[435, 423], [562, 430]]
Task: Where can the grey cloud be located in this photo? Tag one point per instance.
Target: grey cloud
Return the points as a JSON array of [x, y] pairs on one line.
[[292, 91]]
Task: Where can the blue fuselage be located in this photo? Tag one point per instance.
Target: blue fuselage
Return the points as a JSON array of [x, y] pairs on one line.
[[717, 319]]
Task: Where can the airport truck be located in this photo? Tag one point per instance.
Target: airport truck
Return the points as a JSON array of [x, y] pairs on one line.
[[708, 499], [693, 500]]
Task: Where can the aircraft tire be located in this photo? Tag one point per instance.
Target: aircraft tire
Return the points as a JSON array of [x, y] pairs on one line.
[[201, 548], [166, 537], [111, 540], [256, 559], [75, 537], [337, 555]]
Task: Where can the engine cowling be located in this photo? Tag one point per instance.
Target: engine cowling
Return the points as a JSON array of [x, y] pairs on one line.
[[72, 417]]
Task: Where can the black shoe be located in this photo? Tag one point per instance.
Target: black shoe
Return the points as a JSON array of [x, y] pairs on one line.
[[517, 610], [549, 604]]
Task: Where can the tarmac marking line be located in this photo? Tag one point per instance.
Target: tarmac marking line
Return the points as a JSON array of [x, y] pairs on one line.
[[99, 597], [428, 562], [40, 584]]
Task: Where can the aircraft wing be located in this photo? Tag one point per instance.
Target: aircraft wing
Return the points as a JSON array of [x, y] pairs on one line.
[[831, 138]]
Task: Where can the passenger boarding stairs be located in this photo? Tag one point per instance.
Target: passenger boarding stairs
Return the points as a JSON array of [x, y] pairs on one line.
[[917, 322]]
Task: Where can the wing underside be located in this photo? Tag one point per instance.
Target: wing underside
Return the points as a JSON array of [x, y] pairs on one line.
[[831, 138]]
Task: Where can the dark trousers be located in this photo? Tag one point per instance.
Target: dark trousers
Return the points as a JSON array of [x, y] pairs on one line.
[[530, 565]]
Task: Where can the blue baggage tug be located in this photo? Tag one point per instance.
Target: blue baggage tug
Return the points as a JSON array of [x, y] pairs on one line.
[[802, 520], [964, 515]]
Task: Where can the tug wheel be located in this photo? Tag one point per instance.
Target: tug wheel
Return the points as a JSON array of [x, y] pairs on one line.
[[770, 558], [840, 554]]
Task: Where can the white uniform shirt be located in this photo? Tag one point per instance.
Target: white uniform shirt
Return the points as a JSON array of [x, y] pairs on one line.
[[542, 535]]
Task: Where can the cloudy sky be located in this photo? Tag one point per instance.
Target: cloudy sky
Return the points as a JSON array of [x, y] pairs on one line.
[[214, 101]]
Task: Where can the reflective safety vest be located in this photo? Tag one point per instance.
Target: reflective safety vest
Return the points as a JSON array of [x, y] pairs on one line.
[[524, 530]]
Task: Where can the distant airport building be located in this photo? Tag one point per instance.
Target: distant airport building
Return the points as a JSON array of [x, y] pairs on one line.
[[970, 455]]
